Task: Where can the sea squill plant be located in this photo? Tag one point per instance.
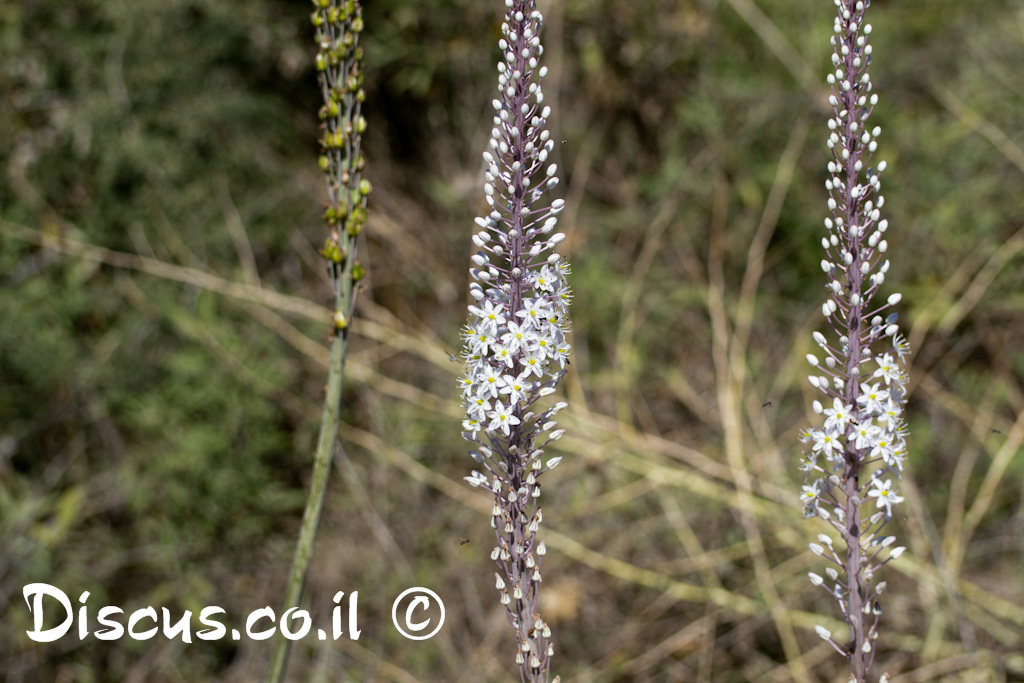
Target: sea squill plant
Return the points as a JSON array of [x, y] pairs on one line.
[[853, 458], [337, 25], [515, 344]]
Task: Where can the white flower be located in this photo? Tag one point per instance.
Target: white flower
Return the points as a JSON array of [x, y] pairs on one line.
[[515, 387], [466, 385], [901, 347], [865, 434], [826, 442], [883, 448], [809, 462], [871, 398], [561, 355], [544, 345], [482, 340], [490, 382], [502, 418], [533, 363], [885, 494], [534, 312], [492, 316], [898, 455], [516, 338], [838, 416], [478, 407], [546, 280], [890, 414], [501, 354], [887, 369], [810, 493]]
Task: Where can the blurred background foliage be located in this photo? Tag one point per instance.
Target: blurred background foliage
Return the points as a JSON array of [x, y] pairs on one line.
[[163, 345]]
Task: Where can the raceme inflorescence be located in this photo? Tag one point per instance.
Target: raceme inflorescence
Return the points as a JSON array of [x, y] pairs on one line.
[[854, 455], [515, 344]]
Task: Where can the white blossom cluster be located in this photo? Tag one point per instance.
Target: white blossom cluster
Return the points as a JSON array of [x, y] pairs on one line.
[[873, 430], [854, 456], [514, 342]]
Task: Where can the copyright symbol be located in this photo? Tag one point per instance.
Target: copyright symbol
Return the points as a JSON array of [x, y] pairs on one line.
[[422, 607]]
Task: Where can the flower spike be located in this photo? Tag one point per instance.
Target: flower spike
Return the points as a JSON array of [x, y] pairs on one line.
[[857, 451], [515, 341]]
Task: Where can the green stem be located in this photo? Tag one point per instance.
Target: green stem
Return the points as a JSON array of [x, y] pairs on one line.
[[315, 502], [339, 75]]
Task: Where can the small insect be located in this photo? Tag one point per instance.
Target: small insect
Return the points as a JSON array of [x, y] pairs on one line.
[[564, 141], [766, 404], [452, 358], [996, 431], [463, 541]]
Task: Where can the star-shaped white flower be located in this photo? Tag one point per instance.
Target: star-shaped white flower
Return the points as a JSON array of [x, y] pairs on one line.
[[502, 418], [887, 369], [489, 382], [825, 442], [872, 398], [885, 494], [516, 337], [838, 416], [516, 388], [491, 316], [534, 311]]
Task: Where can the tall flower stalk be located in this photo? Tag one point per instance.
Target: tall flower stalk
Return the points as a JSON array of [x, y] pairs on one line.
[[515, 343], [337, 25], [854, 456]]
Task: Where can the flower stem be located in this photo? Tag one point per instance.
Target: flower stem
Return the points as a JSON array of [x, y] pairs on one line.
[[339, 75], [314, 503]]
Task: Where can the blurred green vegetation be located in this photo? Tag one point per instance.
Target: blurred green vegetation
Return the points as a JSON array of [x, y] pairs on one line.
[[158, 397]]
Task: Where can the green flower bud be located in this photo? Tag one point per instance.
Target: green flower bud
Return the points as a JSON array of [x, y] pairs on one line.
[[357, 24], [354, 226], [361, 125], [364, 187], [325, 162], [340, 321], [321, 63], [358, 272]]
